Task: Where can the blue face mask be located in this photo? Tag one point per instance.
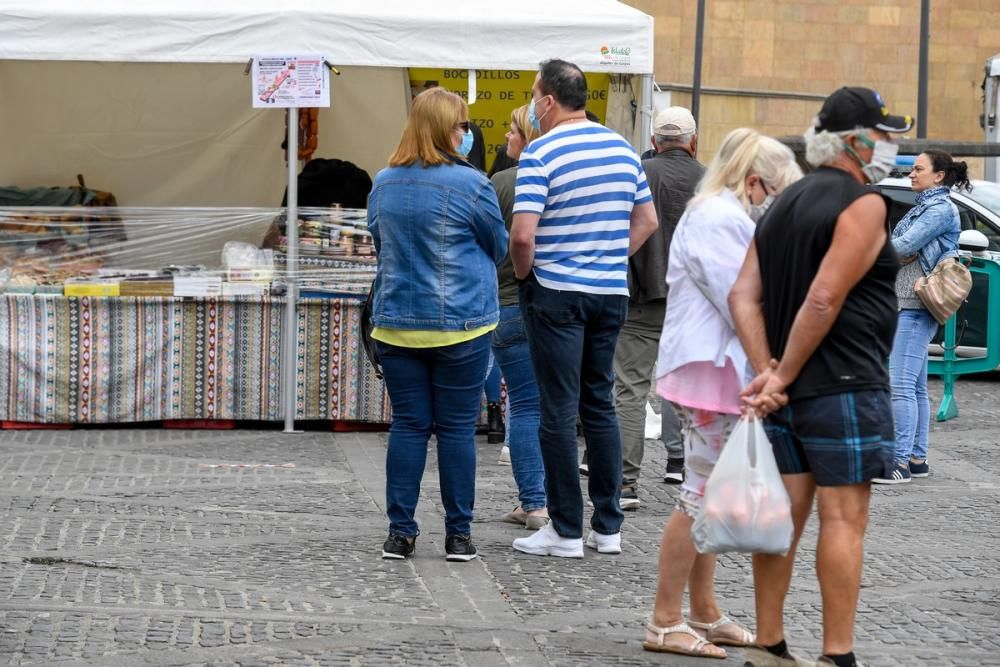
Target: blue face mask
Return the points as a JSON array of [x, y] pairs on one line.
[[466, 145], [535, 121]]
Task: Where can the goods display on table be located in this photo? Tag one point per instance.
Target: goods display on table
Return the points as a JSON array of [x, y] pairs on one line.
[[184, 252], [178, 316]]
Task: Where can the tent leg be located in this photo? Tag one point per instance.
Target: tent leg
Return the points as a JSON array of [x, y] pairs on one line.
[[289, 351], [646, 112]]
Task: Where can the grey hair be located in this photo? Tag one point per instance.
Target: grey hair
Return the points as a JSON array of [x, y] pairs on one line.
[[823, 147], [662, 140]]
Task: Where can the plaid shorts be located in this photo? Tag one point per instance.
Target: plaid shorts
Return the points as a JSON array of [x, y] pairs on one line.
[[841, 438]]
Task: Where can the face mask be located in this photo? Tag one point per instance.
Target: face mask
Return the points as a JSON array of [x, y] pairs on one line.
[[883, 159], [466, 145], [535, 121], [757, 211]]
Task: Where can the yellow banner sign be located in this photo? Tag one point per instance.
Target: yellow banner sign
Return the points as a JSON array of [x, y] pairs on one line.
[[498, 93]]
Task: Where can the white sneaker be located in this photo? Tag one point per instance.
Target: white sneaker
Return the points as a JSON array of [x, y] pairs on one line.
[[504, 456], [547, 542], [604, 544]]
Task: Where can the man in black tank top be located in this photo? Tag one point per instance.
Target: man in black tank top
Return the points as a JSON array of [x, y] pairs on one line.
[[815, 309]]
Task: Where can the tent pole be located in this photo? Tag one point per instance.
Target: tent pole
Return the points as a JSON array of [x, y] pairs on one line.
[[289, 339], [646, 116]]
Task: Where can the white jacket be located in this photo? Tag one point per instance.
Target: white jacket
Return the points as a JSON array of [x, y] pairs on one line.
[[706, 254]]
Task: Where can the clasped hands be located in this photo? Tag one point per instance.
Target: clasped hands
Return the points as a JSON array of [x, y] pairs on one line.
[[766, 393]]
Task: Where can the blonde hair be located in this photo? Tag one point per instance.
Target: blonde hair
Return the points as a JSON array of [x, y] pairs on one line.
[[427, 136], [745, 151], [520, 117]]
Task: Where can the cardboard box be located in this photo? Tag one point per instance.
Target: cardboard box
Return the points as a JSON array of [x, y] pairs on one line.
[[91, 288], [140, 287], [197, 285], [244, 289]]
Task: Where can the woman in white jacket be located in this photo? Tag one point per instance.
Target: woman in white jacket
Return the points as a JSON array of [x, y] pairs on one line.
[[701, 368]]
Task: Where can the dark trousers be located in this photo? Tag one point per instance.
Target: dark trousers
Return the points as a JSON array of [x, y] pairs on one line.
[[572, 336]]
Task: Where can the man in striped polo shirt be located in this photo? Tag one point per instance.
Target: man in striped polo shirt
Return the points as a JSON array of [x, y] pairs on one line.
[[581, 208]]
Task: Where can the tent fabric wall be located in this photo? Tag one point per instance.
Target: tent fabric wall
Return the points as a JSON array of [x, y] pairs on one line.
[[599, 35], [158, 134], [140, 114]]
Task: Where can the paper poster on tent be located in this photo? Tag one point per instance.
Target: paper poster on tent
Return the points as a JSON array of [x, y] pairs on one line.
[[290, 81]]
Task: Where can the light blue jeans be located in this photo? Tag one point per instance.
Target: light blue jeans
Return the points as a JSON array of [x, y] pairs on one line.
[[911, 408], [510, 348]]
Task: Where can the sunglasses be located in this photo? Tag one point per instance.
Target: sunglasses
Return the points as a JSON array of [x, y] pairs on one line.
[[464, 125]]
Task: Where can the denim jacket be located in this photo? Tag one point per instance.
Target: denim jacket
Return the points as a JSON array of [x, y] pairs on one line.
[[439, 236], [931, 227]]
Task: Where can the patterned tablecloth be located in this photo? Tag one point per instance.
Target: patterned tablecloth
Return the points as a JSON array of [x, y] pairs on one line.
[[134, 359]]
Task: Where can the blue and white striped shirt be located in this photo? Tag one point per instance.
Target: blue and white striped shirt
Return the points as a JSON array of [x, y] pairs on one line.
[[583, 180]]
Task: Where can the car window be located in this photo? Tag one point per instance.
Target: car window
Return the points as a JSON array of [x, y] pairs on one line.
[[901, 202], [977, 222]]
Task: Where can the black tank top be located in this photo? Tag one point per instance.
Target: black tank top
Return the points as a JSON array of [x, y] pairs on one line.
[[792, 240]]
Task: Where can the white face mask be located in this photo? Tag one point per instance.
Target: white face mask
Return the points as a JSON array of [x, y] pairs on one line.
[[757, 211], [883, 159]]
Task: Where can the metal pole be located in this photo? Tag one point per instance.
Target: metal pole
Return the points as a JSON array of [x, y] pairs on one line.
[[645, 113], [699, 43], [925, 35], [290, 334]]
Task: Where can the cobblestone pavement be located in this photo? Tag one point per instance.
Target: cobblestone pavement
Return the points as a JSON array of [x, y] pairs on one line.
[[129, 547]]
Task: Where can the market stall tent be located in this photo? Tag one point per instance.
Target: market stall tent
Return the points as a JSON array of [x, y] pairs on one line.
[[154, 106], [147, 98]]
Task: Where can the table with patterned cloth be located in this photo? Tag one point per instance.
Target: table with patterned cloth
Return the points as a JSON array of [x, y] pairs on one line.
[[105, 360]]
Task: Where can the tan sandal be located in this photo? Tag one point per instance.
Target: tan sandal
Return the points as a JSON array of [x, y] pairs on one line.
[[700, 648], [711, 632]]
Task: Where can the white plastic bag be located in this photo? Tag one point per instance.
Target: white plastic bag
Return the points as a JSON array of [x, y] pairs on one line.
[[746, 507]]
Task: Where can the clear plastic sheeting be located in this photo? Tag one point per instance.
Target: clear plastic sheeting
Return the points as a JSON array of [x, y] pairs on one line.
[[89, 251]]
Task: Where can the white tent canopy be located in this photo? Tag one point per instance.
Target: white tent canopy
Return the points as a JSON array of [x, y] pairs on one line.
[[483, 34], [156, 110]]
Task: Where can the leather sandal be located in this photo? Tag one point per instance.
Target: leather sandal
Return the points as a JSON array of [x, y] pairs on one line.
[[516, 516], [701, 647], [711, 632]]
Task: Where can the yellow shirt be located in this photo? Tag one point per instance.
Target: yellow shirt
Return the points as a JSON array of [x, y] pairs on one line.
[[421, 338]]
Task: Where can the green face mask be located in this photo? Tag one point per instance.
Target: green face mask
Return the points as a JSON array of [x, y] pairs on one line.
[[883, 158]]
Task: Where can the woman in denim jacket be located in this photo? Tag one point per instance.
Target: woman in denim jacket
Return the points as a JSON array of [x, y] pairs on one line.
[[927, 234], [439, 236]]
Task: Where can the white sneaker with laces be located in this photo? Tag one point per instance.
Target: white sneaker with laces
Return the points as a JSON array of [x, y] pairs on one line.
[[547, 542], [604, 544]]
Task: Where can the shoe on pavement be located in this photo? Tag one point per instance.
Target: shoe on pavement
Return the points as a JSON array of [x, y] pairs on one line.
[[757, 656], [604, 544], [459, 548], [398, 547], [919, 468], [547, 542], [504, 459], [675, 471], [823, 660], [629, 499], [494, 424], [900, 475]]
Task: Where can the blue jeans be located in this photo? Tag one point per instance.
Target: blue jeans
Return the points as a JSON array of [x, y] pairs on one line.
[[492, 384], [911, 409], [572, 336], [437, 390], [510, 348]]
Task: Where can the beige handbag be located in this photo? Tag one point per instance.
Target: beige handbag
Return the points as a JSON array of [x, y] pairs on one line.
[[945, 289]]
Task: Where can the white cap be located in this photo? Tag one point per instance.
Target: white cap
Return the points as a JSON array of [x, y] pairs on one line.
[[673, 122]]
